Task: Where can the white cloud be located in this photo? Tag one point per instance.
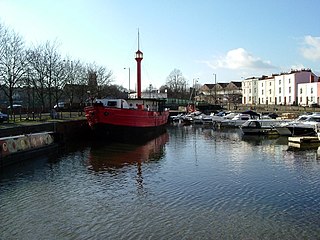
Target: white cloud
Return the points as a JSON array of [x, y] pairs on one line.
[[240, 59], [311, 50], [298, 66]]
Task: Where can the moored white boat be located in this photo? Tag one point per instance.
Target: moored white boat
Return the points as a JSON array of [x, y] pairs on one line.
[[260, 127], [203, 119], [176, 118], [304, 125], [236, 121]]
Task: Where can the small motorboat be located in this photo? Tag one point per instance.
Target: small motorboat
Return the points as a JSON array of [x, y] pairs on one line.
[[236, 121], [260, 127], [304, 125]]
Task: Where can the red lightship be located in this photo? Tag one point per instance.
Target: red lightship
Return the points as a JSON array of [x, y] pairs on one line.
[[128, 118]]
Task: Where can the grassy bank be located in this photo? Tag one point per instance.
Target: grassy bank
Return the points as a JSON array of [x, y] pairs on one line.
[[34, 119]]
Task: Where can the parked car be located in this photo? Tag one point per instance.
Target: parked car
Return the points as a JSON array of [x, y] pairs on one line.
[[3, 117], [59, 106], [314, 105], [15, 106]]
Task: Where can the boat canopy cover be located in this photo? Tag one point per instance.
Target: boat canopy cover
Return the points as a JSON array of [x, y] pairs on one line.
[[252, 124], [251, 113]]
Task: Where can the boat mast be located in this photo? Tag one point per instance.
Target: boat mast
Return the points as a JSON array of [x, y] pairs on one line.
[[139, 57]]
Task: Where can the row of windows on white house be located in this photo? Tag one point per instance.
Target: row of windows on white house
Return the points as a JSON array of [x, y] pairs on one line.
[[297, 87]]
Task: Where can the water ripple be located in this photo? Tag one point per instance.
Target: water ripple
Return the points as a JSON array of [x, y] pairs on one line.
[[199, 184]]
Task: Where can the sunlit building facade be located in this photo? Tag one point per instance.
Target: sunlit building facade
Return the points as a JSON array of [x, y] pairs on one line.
[[282, 89], [286, 85], [250, 90], [309, 94]]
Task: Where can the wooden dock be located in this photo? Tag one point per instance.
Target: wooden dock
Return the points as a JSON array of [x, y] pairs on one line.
[[304, 142]]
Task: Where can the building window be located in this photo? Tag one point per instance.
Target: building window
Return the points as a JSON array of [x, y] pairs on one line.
[[289, 80], [250, 90], [300, 90], [279, 99], [311, 90], [280, 81], [270, 84], [279, 89], [262, 92], [269, 91], [300, 99], [289, 89], [289, 99], [261, 84]]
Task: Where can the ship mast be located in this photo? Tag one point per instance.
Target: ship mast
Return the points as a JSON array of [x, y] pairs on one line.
[[139, 57]]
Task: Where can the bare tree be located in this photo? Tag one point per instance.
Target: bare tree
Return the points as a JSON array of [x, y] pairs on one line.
[[54, 69], [59, 80], [29, 90], [12, 62], [45, 75], [115, 91], [81, 81], [100, 77], [48, 72], [176, 84], [37, 73], [76, 82]]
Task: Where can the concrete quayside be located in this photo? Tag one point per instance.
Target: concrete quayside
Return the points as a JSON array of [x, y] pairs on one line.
[[21, 142]]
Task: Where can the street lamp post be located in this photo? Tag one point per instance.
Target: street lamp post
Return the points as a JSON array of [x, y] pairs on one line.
[[129, 79], [215, 88], [193, 91], [195, 81]]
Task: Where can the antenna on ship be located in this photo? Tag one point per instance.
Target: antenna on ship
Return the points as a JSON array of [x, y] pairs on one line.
[[139, 57]]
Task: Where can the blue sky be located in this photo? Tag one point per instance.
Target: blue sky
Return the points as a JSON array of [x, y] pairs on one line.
[[230, 38]]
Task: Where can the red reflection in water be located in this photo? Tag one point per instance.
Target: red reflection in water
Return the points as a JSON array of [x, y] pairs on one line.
[[117, 155]]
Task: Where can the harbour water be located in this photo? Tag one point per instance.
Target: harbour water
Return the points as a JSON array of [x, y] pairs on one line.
[[189, 183]]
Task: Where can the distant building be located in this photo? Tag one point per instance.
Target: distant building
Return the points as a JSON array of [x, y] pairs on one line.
[[281, 89], [250, 90], [220, 93], [286, 85], [309, 94], [232, 93], [266, 90]]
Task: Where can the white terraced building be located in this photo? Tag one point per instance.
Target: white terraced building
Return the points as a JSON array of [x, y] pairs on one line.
[[298, 87], [250, 91], [309, 94]]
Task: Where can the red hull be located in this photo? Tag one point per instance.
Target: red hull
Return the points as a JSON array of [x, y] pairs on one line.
[[135, 118]]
